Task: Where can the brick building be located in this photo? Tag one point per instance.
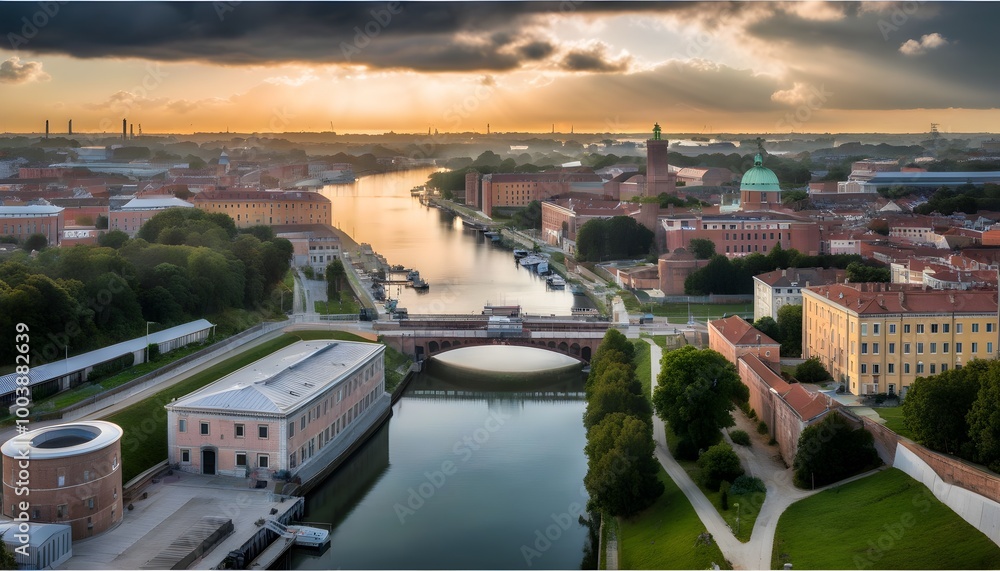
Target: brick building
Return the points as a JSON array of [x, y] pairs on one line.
[[23, 221], [735, 337], [251, 208], [774, 290]]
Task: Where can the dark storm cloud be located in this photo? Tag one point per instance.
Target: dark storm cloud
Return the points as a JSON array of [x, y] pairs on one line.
[[593, 60], [536, 50]]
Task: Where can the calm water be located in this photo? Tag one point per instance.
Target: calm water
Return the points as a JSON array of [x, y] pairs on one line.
[[471, 470], [481, 465], [464, 269]]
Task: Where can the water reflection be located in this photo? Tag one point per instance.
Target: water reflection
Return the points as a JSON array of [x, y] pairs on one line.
[[525, 361], [476, 465]]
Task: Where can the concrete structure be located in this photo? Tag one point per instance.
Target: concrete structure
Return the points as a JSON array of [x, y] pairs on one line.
[[759, 189], [313, 245], [75, 476], [49, 544], [734, 337], [563, 218], [674, 268], [23, 221], [516, 190], [130, 216], [277, 413], [773, 290], [878, 338], [267, 207], [659, 178], [739, 234]]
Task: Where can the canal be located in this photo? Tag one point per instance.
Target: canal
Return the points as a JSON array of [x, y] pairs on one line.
[[481, 465]]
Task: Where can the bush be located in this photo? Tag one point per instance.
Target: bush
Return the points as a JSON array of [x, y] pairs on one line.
[[812, 371], [740, 437], [110, 368], [831, 451], [686, 450], [762, 427], [747, 485], [724, 500], [719, 463]]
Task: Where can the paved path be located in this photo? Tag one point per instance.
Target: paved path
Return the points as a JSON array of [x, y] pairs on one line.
[[759, 460]]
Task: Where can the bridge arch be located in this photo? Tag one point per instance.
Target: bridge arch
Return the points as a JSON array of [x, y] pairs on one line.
[[434, 348]]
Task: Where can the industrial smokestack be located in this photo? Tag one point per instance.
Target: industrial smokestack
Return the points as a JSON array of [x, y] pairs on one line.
[[124, 129], [46, 128], [131, 131], [70, 127]]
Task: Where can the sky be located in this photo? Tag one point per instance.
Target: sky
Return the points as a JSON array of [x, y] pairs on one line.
[[606, 67]]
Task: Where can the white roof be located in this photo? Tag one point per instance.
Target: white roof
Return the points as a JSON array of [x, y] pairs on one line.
[[63, 440], [39, 532], [156, 203], [31, 209], [281, 382], [49, 371]]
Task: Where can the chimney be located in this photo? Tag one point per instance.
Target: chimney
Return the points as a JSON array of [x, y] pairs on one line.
[[46, 128], [131, 131], [784, 273], [70, 127], [124, 129]]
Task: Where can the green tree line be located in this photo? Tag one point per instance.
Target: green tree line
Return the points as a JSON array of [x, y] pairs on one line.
[[184, 264], [613, 238]]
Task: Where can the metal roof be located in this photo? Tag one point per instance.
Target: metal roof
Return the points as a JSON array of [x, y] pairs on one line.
[[39, 532], [934, 177], [31, 209], [47, 372], [156, 203], [284, 380]]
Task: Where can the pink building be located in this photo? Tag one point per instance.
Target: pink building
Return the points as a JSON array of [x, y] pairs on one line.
[[281, 412], [23, 221], [136, 212]]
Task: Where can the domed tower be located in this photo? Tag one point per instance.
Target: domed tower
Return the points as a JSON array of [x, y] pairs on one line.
[[759, 189], [224, 162]]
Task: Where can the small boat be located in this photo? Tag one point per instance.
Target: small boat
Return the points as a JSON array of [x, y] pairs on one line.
[[413, 275], [419, 283], [520, 253], [542, 268], [530, 261], [495, 237], [556, 282], [418, 190], [578, 289], [303, 535]]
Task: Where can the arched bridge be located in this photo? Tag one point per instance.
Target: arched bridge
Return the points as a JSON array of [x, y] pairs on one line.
[[424, 336]]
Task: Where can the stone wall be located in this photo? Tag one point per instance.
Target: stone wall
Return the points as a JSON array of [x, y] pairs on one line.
[[957, 472]]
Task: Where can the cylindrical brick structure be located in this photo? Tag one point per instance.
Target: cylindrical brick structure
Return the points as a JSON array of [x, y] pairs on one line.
[[66, 473]]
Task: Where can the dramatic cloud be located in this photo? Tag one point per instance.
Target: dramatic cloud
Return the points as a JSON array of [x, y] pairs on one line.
[[594, 59], [13, 70], [926, 42]]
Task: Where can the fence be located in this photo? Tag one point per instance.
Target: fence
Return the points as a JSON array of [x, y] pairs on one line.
[[710, 299]]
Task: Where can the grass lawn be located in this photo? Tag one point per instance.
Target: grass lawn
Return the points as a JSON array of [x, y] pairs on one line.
[[346, 306], [885, 521], [643, 366], [145, 441], [664, 535], [678, 312], [893, 416]]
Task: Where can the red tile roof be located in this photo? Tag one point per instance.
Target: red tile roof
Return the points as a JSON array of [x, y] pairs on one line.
[[766, 374], [808, 405], [882, 298], [737, 331]]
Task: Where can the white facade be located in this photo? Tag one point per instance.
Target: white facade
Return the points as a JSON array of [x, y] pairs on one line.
[[768, 300]]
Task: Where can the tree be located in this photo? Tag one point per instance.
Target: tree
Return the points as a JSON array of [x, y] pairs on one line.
[[622, 474], [701, 248], [336, 278], [984, 419], [937, 408], [695, 392], [612, 239], [590, 239], [719, 464], [768, 326], [7, 558], [831, 450], [812, 371], [790, 330], [858, 272], [35, 242], [529, 217], [113, 239], [101, 223]]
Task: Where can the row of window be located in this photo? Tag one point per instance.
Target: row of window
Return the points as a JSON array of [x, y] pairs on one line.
[[267, 204], [756, 248], [263, 460], [923, 328], [348, 387], [239, 429], [920, 348], [315, 444], [762, 236], [891, 368]]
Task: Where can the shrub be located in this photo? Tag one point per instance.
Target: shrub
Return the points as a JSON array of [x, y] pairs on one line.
[[831, 451], [812, 371], [111, 367], [762, 427], [740, 437], [747, 485], [686, 450], [719, 463], [724, 500]]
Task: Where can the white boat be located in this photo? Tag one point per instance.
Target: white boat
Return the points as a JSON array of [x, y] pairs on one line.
[[529, 261], [556, 282], [542, 268], [303, 535], [520, 253]]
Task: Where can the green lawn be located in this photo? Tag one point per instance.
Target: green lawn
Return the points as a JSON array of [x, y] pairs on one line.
[[664, 535], [145, 441], [643, 366], [678, 312], [346, 306], [893, 416], [885, 521]]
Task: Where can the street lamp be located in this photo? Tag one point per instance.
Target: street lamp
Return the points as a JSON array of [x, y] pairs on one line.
[[148, 323], [737, 518]]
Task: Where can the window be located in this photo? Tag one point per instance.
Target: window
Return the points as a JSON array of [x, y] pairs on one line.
[[892, 368], [933, 367], [920, 328], [906, 368], [61, 510], [292, 460], [945, 327], [239, 430], [958, 328], [182, 425], [944, 347], [875, 368], [864, 346], [906, 348], [975, 347], [906, 328], [875, 348], [958, 347], [262, 460], [262, 431], [185, 455], [864, 329], [875, 328], [204, 428], [920, 348], [920, 367], [892, 348], [89, 502], [933, 347], [975, 328], [864, 368], [944, 367], [241, 459], [934, 327], [989, 347], [302, 422], [989, 328], [291, 429], [892, 328]]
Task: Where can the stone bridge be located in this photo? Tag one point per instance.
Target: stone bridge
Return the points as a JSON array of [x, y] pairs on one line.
[[422, 337]]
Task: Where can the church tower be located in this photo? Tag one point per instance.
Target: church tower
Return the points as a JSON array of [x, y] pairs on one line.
[[659, 179]]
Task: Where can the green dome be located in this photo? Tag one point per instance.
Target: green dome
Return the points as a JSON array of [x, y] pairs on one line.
[[760, 178]]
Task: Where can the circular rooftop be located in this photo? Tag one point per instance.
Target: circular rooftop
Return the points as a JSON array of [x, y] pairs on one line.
[[760, 178], [63, 440]]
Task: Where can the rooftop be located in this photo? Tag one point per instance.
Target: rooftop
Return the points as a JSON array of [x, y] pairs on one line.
[[738, 331], [801, 276], [760, 178], [284, 380], [156, 203], [885, 298], [63, 440]]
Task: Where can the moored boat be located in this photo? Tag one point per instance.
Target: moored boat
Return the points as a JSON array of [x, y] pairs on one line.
[[556, 281], [520, 253]]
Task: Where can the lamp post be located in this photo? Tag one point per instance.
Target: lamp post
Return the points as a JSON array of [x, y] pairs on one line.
[[148, 323], [737, 518]]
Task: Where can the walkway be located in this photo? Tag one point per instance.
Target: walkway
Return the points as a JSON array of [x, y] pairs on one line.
[[760, 461]]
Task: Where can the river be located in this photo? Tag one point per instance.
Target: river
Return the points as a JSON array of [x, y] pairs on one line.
[[481, 465]]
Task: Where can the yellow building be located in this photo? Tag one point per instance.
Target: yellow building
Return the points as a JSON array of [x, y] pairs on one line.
[[878, 337], [253, 208]]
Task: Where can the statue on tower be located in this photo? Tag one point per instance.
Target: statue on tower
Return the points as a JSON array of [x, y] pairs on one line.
[[656, 131]]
